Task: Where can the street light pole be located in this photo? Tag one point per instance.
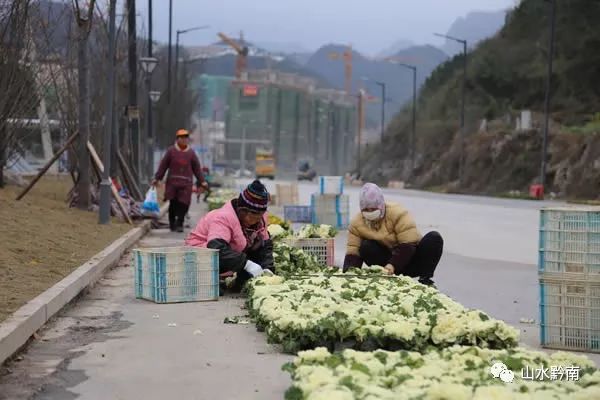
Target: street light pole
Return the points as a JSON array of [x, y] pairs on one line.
[[105, 185], [181, 32], [170, 52], [149, 112], [462, 113], [382, 85], [413, 136], [548, 93]]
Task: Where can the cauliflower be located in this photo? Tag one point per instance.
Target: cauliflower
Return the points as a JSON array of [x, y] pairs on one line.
[[276, 231], [316, 231]]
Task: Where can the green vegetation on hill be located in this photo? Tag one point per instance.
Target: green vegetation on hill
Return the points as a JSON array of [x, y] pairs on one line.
[[506, 74]]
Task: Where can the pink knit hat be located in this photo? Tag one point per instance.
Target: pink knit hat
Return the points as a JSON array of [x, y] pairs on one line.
[[371, 196]]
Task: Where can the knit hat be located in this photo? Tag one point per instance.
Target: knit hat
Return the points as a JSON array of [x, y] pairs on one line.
[[371, 196], [255, 197]]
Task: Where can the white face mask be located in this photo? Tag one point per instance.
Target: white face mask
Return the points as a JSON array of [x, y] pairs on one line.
[[372, 215]]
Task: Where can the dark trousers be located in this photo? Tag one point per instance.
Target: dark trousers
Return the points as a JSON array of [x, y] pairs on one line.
[[421, 263], [177, 212]]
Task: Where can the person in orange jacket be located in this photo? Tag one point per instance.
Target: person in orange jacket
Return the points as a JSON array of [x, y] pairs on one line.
[[183, 164]]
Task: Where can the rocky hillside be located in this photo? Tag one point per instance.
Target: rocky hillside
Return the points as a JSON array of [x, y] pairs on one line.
[[506, 75]]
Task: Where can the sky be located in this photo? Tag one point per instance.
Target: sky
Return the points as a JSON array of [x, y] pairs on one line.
[[368, 25]]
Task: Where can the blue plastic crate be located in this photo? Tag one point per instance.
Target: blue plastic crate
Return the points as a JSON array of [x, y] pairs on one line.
[[176, 274], [569, 242], [569, 314], [337, 220], [330, 203], [297, 213], [331, 184]]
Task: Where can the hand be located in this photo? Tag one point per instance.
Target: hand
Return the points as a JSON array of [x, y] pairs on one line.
[[154, 183], [389, 269], [253, 269], [204, 185]]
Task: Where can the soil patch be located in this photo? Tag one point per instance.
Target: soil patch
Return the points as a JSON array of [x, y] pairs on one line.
[[42, 240]]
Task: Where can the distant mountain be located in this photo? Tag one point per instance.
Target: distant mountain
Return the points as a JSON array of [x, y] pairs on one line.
[[394, 48], [286, 48], [300, 58], [474, 28], [398, 80]]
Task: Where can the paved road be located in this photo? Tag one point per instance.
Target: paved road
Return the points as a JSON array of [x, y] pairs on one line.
[[110, 346]]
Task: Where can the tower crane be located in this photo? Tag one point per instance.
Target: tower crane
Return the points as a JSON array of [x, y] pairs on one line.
[[240, 49], [346, 56]]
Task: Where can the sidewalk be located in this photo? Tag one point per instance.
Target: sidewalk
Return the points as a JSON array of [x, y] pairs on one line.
[[119, 349]]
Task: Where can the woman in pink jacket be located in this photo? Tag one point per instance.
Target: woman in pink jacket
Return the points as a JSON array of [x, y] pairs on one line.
[[239, 231]]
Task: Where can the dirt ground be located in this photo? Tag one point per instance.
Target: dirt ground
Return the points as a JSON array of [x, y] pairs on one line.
[[42, 241]]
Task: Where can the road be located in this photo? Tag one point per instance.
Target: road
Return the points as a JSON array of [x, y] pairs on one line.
[[109, 345]]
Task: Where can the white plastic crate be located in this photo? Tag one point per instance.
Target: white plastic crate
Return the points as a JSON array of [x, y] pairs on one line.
[[569, 242], [570, 314], [176, 274], [321, 249], [297, 213], [337, 220], [331, 184], [286, 194], [330, 203]]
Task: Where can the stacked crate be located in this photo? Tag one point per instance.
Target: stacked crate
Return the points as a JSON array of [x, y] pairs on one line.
[[330, 205], [569, 278]]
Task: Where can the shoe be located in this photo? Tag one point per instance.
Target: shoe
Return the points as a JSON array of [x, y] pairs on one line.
[[427, 282], [180, 229]]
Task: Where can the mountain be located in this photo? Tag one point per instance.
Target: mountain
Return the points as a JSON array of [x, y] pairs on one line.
[[507, 74], [397, 79], [394, 48], [474, 28], [283, 48]]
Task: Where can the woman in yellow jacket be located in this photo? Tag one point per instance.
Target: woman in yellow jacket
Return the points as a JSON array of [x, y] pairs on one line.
[[385, 234]]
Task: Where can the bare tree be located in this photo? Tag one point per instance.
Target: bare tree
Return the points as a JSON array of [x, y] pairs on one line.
[[16, 81], [83, 19]]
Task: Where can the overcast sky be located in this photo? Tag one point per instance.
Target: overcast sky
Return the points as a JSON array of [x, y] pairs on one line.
[[369, 25]]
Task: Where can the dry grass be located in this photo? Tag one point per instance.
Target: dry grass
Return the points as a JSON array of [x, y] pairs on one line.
[[42, 241]]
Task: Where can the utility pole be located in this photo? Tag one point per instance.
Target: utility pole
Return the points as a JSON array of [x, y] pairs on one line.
[[382, 85], [548, 93], [413, 134], [170, 52], [462, 112], [105, 185], [150, 142], [133, 114], [243, 153], [178, 33], [360, 126]]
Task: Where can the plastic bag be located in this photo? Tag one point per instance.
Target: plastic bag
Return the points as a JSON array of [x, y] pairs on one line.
[[150, 205]]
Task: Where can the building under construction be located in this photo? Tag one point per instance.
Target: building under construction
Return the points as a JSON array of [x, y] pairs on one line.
[[289, 115]]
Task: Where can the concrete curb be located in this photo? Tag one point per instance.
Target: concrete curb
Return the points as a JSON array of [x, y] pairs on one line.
[[16, 330]]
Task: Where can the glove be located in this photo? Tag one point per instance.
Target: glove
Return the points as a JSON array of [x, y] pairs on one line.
[[253, 269]]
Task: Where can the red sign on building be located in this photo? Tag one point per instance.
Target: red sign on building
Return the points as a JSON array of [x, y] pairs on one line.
[[250, 90]]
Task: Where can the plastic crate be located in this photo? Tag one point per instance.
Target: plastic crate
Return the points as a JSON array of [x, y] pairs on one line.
[[337, 220], [569, 242], [287, 194], [331, 184], [321, 249], [570, 314], [297, 213], [330, 203], [176, 274]]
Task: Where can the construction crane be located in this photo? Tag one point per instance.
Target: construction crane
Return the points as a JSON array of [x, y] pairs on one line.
[[346, 56], [240, 49]]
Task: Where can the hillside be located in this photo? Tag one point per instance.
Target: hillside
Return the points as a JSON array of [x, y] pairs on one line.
[[474, 27], [397, 79], [507, 74]]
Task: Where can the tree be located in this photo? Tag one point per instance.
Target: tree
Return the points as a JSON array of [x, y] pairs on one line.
[[16, 81], [83, 19]]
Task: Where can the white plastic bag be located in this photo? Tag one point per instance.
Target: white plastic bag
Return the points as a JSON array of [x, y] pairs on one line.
[[150, 205]]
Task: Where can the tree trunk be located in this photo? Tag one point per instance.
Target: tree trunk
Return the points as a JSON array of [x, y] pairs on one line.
[[83, 184]]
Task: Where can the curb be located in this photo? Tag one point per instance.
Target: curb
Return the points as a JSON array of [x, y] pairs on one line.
[[16, 330]]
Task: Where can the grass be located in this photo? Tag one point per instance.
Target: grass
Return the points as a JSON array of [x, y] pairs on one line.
[[42, 241]]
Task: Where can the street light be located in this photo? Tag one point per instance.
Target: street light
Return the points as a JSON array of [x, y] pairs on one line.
[[548, 92], [383, 100], [462, 114], [181, 32], [413, 138], [148, 65]]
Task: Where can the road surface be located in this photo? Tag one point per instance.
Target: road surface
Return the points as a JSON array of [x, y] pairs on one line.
[[109, 345]]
